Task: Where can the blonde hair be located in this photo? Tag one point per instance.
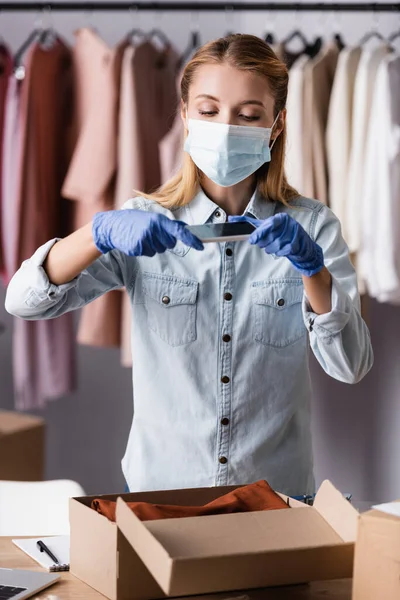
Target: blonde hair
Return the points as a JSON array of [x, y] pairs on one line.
[[248, 53]]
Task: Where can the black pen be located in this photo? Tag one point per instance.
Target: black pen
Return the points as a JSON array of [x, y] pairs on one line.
[[43, 548]]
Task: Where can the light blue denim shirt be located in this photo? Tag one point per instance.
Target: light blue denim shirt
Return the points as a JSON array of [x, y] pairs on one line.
[[220, 344]]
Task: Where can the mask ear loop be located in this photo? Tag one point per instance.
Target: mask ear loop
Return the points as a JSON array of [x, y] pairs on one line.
[[272, 126]]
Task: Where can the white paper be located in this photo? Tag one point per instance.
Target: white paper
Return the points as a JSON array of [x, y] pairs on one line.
[[391, 508], [59, 546]]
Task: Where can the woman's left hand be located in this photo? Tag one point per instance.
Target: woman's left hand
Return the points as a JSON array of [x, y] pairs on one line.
[[284, 236]]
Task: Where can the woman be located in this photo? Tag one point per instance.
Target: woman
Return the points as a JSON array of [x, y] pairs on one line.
[[219, 333]]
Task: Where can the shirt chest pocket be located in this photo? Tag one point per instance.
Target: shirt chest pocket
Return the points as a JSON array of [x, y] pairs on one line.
[[277, 312], [171, 307]]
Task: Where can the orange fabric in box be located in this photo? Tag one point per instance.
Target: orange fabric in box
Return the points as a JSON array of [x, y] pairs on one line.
[[253, 497]]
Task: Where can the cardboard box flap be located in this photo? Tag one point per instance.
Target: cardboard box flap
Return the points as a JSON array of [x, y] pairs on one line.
[[337, 511], [165, 543], [148, 548]]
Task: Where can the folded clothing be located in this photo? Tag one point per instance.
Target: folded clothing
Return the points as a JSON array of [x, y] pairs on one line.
[[253, 497]]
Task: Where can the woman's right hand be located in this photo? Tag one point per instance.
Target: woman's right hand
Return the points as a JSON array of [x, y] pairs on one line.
[[139, 233]]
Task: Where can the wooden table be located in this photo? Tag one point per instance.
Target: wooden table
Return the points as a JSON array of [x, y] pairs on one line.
[[71, 588]]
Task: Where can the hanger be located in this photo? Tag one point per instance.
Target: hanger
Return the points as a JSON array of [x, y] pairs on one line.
[[45, 36], [339, 41], [336, 30], [32, 37], [160, 36], [392, 37], [373, 34], [311, 49], [269, 35], [135, 32], [194, 43]]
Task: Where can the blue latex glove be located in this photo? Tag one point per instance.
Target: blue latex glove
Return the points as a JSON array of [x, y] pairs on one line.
[[284, 236], [139, 233]]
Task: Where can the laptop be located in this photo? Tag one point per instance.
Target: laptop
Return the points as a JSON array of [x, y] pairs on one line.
[[18, 585]]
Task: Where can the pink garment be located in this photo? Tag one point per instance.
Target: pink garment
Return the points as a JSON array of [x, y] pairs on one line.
[[43, 351], [9, 184], [6, 64], [148, 101], [171, 146], [90, 177]]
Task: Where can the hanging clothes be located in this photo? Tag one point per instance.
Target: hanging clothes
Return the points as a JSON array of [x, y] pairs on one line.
[[171, 150], [339, 131], [44, 366], [295, 124], [286, 56], [148, 102], [10, 169], [319, 73], [364, 85], [6, 64], [91, 176], [380, 243], [171, 146]]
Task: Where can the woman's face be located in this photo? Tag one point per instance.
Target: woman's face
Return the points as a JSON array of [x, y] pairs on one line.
[[224, 94]]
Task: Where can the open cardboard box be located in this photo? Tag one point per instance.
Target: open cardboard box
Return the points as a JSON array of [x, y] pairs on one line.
[[138, 560], [377, 556]]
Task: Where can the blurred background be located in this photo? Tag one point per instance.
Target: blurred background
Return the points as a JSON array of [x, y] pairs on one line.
[[356, 429]]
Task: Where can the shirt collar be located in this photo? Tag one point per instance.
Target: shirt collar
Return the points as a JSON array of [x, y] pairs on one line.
[[260, 207], [201, 208]]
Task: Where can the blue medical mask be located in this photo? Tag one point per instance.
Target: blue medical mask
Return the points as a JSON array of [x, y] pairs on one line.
[[227, 154]]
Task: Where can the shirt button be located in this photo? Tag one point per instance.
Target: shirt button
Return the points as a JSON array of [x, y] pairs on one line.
[[223, 460], [225, 421], [228, 296], [217, 214], [226, 338], [166, 300], [281, 302], [229, 252], [225, 379]]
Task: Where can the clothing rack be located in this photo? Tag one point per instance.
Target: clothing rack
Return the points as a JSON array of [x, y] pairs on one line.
[[200, 6]]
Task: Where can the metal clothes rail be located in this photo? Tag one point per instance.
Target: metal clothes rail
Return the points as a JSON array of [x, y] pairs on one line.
[[201, 6]]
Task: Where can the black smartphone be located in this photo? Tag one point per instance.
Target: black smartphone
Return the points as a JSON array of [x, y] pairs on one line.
[[223, 232]]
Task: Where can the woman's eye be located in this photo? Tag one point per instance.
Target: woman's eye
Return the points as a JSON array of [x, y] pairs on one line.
[[248, 118], [207, 113]]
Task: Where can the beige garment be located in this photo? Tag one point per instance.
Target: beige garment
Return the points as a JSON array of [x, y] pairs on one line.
[[171, 150], [171, 146], [295, 125], [338, 131], [90, 178], [318, 77], [127, 125], [364, 85], [148, 101]]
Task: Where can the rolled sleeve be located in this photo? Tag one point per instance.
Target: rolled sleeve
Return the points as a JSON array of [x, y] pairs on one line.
[[31, 295], [333, 322], [339, 339]]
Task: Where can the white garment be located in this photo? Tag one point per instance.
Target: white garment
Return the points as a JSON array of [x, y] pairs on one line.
[[127, 127], [338, 131], [380, 247], [294, 124], [363, 91]]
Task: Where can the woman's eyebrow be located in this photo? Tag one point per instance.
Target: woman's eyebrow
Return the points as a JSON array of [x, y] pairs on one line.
[[256, 102], [244, 103], [207, 96]]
